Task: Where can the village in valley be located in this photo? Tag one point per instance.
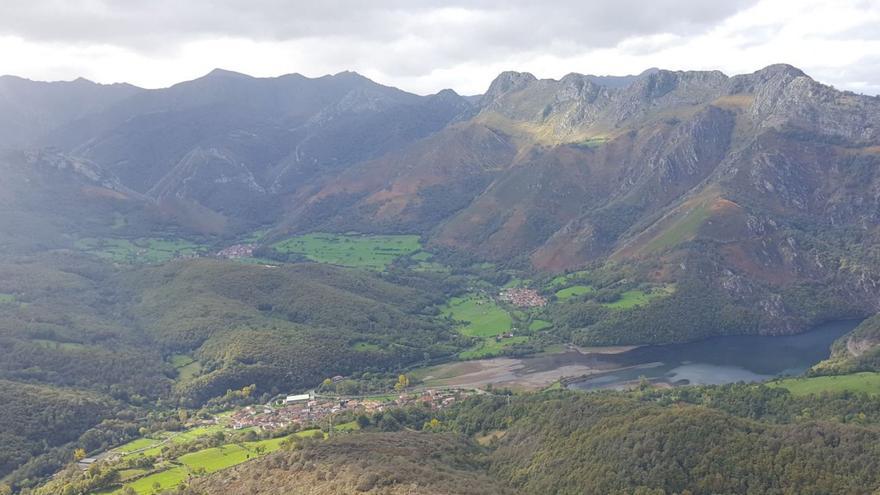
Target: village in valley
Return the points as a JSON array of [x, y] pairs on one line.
[[310, 409], [523, 297], [237, 251]]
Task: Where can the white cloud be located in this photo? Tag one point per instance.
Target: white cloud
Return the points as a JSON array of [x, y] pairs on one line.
[[425, 45]]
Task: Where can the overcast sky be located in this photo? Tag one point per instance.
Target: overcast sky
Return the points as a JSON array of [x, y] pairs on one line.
[[427, 45]]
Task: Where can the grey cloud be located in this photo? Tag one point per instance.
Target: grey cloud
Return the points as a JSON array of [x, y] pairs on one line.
[[512, 24], [861, 77]]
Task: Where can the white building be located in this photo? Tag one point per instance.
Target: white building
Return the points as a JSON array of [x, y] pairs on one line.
[[294, 399]]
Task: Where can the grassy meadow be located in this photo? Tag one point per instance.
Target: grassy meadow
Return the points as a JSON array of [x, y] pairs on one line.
[[866, 382], [187, 367], [480, 315], [490, 347], [636, 297], [374, 252], [573, 291], [147, 250], [171, 473]]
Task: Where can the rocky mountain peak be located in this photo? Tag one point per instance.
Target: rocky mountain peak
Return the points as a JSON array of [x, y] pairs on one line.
[[506, 82]]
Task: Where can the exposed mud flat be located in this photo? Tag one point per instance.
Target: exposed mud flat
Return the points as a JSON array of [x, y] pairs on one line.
[[747, 358]]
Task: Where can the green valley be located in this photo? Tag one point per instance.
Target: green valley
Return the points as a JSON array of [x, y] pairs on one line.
[[375, 252]]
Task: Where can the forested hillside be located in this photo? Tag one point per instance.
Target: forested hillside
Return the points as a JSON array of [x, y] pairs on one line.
[[738, 439], [83, 339], [286, 327], [857, 351]]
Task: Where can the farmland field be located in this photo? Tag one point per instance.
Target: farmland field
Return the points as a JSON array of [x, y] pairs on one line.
[[197, 432], [562, 280], [216, 458], [165, 479], [633, 298], [186, 366], [867, 382], [536, 325], [482, 317], [490, 347], [135, 445], [144, 250], [211, 459], [375, 252], [573, 291]]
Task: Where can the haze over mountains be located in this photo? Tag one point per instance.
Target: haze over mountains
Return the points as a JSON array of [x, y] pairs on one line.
[[761, 183], [658, 208]]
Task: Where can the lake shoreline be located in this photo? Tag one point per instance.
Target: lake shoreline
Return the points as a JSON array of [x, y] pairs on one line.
[[716, 360]]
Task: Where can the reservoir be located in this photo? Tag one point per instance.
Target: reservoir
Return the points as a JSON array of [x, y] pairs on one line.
[[715, 361], [718, 360]]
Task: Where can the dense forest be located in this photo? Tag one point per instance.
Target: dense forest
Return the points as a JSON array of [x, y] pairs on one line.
[[84, 339]]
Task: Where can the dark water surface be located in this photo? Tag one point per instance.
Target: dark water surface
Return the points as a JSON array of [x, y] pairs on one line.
[[714, 361]]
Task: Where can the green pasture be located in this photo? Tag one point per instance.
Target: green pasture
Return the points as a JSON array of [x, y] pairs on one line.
[[562, 280], [135, 445], [536, 325], [866, 382], [634, 298], [374, 252], [573, 291], [186, 366], [144, 250], [167, 479], [7, 298], [490, 347], [480, 315]]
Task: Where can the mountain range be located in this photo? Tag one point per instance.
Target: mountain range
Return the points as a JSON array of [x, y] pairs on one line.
[[764, 185]]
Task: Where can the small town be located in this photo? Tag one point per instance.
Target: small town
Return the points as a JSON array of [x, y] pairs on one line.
[[310, 409], [523, 297], [237, 251]]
